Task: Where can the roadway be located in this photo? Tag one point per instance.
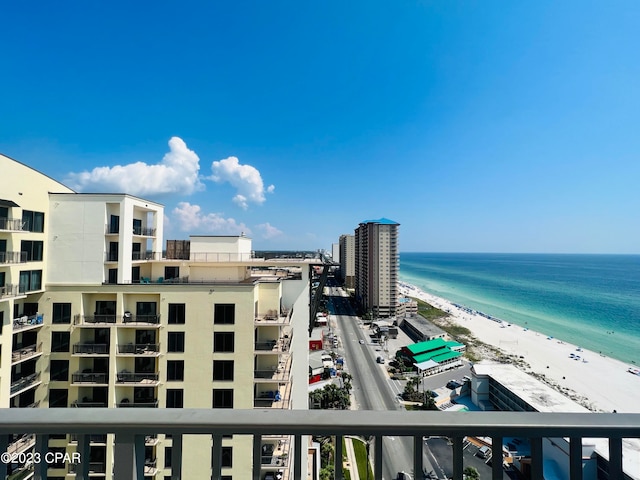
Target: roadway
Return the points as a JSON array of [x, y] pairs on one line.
[[372, 388]]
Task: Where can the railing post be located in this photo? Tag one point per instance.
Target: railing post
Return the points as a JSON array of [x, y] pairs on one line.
[[216, 458], [575, 458], [82, 469], [615, 458], [4, 445], [129, 456], [42, 445], [457, 458], [257, 457], [536, 457], [418, 447], [297, 457], [338, 460], [176, 457], [377, 457], [496, 458]]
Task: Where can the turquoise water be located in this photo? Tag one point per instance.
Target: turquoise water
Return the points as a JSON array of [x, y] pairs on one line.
[[589, 300]]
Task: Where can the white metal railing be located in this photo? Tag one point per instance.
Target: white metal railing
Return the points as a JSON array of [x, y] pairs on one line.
[[131, 426]]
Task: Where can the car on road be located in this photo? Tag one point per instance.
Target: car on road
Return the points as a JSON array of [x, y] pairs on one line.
[[380, 359], [403, 476], [361, 342]]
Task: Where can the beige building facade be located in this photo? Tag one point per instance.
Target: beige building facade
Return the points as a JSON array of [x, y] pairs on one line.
[[95, 315]]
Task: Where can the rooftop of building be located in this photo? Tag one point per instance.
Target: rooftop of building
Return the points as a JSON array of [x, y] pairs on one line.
[[540, 396], [380, 221]]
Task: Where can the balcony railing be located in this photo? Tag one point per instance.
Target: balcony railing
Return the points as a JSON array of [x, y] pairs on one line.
[[27, 321], [21, 354], [95, 319], [150, 318], [129, 458], [129, 377], [87, 403], [13, 257], [139, 349], [24, 383], [144, 231], [12, 224], [137, 404], [9, 290], [90, 377], [90, 349]]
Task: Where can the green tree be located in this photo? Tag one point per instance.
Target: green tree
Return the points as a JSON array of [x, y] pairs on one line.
[[470, 473]]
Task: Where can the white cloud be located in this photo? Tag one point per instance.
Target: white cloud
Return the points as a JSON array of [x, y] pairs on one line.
[[176, 173], [190, 218], [245, 178], [269, 231]]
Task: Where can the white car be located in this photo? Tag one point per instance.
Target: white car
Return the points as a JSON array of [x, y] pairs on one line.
[[361, 342]]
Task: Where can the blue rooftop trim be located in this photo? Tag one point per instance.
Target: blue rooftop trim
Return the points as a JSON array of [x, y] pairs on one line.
[[382, 221]]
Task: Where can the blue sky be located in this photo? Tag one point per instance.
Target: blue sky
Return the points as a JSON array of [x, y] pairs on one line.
[[479, 126]]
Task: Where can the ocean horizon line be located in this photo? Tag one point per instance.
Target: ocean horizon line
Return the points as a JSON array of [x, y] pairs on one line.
[[522, 253]]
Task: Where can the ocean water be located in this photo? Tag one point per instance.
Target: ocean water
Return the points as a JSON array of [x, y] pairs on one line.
[[589, 300]]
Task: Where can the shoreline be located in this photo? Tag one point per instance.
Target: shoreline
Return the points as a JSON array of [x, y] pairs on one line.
[[594, 380]]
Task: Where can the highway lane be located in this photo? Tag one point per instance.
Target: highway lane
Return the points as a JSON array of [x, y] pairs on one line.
[[372, 387]]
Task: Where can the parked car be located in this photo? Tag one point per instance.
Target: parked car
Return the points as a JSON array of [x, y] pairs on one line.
[[380, 360]]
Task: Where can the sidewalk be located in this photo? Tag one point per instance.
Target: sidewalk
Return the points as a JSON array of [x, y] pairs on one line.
[[351, 459]]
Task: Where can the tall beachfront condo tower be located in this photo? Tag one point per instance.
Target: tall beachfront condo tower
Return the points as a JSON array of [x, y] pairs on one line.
[[347, 260], [376, 266], [96, 313]]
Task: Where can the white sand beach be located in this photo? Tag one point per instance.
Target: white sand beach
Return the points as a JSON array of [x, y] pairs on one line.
[[601, 383]]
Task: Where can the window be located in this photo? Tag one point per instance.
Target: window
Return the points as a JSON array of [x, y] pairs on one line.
[[61, 313], [175, 398], [223, 398], [113, 252], [30, 280], [59, 371], [114, 224], [175, 370], [223, 341], [176, 342], [33, 221], [33, 250], [176, 313], [60, 341], [224, 313], [227, 457], [58, 398], [171, 272], [146, 309], [113, 275], [137, 226], [222, 370], [167, 457]]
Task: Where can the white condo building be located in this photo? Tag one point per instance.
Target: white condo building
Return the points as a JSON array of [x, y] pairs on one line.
[[376, 266], [94, 313]]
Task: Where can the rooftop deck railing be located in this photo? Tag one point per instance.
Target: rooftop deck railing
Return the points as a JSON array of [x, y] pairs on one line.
[[131, 427]]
